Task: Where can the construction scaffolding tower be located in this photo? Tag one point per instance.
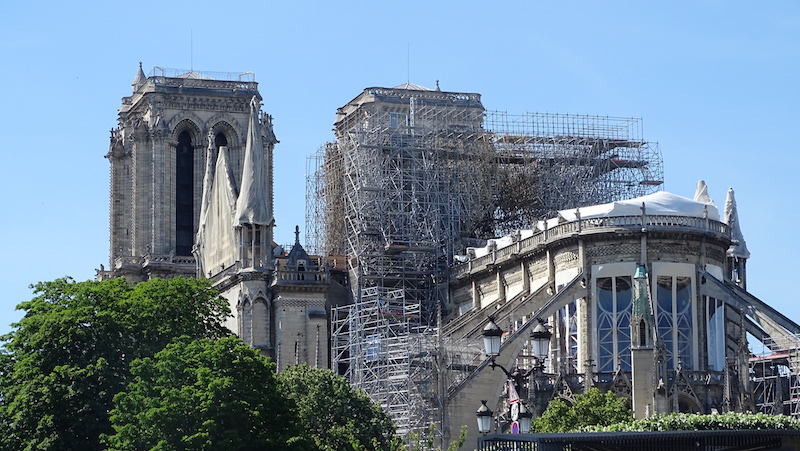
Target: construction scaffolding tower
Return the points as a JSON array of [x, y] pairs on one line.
[[775, 376], [382, 346], [417, 176]]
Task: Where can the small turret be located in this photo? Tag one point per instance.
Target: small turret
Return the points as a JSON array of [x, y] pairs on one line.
[[642, 320], [737, 253], [253, 209], [643, 350], [139, 80]]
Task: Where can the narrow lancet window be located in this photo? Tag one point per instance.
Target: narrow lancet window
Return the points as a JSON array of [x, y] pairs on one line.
[[184, 195], [642, 333]]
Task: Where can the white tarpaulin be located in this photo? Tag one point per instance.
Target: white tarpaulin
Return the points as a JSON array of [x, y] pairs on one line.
[[216, 238], [253, 202], [660, 203]]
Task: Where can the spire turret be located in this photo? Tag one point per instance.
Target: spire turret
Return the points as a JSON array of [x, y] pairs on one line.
[[739, 246], [737, 252], [139, 80], [701, 193], [642, 320], [252, 205]]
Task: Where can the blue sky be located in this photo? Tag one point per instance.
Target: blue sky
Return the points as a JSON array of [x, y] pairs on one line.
[[715, 82]]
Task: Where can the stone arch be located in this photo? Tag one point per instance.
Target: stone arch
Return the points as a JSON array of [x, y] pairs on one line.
[[563, 391], [261, 322], [621, 386], [185, 123], [688, 404], [188, 122], [227, 126], [224, 122]]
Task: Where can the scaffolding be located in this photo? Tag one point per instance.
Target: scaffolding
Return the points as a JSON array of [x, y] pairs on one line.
[[415, 177], [775, 377], [550, 162], [381, 345]]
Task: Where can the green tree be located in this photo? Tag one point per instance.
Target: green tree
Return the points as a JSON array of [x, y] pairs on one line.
[[590, 409], [336, 416], [70, 354], [417, 442], [700, 422], [203, 395]]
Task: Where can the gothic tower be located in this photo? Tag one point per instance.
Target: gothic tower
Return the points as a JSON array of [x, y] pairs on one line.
[[168, 128], [192, 195]]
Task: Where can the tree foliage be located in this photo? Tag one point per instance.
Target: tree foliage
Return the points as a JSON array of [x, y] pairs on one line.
[[698, 422], [204, 395], [590, 409], [71, 353], [336, 416], [417, 442]]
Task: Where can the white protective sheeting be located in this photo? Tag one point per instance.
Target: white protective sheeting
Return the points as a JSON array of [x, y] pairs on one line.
[[252, 207], [216, 235], [660, 203], [701, 193], [739, 247]]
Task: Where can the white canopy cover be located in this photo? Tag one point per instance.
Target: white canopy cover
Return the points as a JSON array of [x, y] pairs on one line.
[[659, 203]]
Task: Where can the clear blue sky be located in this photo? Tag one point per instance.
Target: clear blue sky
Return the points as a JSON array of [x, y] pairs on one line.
[[715, 82]]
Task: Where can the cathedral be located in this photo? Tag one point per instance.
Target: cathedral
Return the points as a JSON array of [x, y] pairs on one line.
[[191, 195], [639, 292]]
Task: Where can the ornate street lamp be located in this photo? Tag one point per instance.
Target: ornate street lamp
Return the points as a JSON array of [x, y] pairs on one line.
[[491, 338], [540, 342], [525, 417], [484, 416]]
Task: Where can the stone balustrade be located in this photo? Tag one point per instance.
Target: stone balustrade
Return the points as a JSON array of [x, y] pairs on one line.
[[285, 275], [590, 226]]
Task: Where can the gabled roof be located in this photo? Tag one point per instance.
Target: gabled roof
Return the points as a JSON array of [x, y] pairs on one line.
[[297, 252], [412, 87]]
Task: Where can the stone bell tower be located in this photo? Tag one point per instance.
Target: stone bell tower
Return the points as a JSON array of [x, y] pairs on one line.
[[169, 127], [192, 195]]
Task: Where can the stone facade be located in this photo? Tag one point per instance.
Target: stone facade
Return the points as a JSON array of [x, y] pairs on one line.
[[191, 195], [645, 306]]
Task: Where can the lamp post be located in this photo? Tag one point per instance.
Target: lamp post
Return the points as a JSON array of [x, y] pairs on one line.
[[484, 415], [540, 343], [525, 417]]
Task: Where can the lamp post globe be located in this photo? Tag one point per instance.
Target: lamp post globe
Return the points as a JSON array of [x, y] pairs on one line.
[[484, 416], [540, 342], [525, 417], [491, 338]]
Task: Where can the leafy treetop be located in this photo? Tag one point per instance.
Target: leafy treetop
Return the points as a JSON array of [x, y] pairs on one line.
[[71, 353], [591, 408], [698, 422]]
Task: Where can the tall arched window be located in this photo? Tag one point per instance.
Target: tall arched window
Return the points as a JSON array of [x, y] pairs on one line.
[[675, 319], [184, 195], [220, 140], [614, 299]]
